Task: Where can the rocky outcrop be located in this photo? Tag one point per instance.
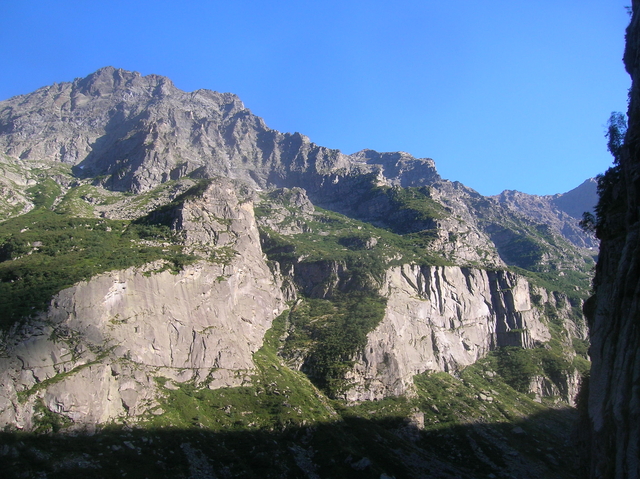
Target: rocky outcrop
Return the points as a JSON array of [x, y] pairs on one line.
[[14, 181], [564, 389], [613, 417], [288, 211], [442, 319], [562, 212], [97, 353], [400, 167]]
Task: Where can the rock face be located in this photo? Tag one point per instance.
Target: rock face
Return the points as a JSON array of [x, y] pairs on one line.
[[573, 202], [569, 387], [142, 131], [613, 448], [442, 319], [95, 354]]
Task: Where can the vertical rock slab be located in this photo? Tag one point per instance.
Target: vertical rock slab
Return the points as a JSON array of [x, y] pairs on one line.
[[94, 356], [442, 319], [613, 446]]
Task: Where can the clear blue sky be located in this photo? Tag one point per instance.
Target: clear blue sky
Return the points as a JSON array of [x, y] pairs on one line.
[[501, 94]]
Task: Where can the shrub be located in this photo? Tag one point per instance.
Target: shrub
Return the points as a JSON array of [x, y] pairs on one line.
[[517, 367], [331, 333]]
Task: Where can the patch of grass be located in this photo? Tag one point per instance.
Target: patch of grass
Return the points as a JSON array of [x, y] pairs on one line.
[[75, 202], [43, 252], [415, 199], [575, 284], [47, 421], [335, 237], [44, 193], [581, 347], [398, 210]]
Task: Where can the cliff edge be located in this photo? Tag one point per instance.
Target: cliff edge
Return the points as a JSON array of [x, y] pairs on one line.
[[613, 448]]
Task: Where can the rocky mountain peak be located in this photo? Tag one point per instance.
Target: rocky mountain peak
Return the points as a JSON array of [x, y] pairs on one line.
[[573, 202], [108, 80], [561, 212], [400, 167]]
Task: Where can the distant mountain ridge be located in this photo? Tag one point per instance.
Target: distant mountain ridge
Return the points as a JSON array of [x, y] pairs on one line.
[[562, 211], [133, 133]]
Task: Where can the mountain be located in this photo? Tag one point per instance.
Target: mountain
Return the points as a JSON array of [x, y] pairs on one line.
[[184, 286], [561, 211]]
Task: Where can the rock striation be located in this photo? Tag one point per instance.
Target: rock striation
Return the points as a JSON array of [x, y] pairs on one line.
[[97, 353], [613, 416], [443, 319]]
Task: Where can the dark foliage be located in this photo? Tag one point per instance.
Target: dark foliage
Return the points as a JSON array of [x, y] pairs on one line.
[[333, 331]]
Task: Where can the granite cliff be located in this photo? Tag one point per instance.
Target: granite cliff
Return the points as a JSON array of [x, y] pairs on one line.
[[613, 405], [95, 354]]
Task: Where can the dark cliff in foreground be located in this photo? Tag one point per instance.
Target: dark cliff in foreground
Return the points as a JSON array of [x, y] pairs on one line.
[[613, 448]]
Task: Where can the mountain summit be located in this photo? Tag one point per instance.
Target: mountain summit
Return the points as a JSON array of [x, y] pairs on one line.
[[133, 133]]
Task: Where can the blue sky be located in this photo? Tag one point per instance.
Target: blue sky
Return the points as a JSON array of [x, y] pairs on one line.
[[501, 94]]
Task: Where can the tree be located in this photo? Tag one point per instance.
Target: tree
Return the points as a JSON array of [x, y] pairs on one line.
[[609, 203], [616, 131]]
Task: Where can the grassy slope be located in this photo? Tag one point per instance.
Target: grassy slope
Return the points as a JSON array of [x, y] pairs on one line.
[[60, 242]]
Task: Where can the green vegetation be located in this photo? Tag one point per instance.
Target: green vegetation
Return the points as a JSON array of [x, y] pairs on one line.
[[531, 250], [574, 284], [611, 205], [518, 366], [46, 421], [335, 237], [276, 398], [165, 214], [43, 252], [523, 251], [278, 424], [329, 333], [322, 338], [279, 413], [44, 193], [414, 205]]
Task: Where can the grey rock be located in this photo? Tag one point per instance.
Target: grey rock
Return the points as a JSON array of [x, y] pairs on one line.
[[562, 212], [611, 425], [202, 324], [442, 319]]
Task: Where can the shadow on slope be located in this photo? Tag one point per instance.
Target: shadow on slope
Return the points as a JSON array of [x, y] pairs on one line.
[[535, 447]]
